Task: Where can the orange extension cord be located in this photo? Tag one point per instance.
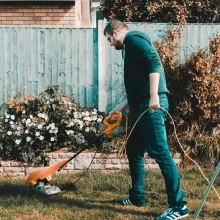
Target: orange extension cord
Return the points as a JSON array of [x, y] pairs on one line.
[[126, 139]]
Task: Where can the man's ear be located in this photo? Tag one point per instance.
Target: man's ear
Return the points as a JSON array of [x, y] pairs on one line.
[[116, 33]]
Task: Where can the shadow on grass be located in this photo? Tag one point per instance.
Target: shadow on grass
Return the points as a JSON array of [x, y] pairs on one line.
[[8, 190]]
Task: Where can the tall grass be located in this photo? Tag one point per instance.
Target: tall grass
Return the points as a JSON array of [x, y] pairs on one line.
[[93, 195]]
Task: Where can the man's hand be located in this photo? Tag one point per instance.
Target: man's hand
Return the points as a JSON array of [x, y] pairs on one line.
[[114, 111], [118, 109], [154, 102]]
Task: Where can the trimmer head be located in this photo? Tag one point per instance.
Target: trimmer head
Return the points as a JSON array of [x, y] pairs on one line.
[[44, 187]]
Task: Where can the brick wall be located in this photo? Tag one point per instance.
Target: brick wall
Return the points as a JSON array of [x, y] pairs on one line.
[[107, 163], [45, 14]]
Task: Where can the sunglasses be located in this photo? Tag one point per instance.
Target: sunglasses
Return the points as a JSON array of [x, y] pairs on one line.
[[109, 39]]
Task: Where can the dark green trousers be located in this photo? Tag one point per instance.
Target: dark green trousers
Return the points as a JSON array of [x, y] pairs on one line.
[[149, 135]]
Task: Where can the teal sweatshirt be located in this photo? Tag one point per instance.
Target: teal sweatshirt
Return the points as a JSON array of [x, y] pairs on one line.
[[141, 59]]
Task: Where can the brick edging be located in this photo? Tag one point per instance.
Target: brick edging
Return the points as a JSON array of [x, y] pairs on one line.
[[104, 162]]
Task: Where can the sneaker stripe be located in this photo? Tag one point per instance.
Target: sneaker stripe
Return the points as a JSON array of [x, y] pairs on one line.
[[184, 207], [171, 218], [177, 214], [129, 202], [123, 202]]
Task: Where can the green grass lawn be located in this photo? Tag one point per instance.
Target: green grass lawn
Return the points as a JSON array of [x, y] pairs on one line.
[[92, 197]]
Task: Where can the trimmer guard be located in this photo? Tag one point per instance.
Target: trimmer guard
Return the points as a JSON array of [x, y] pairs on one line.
[[43, 173]]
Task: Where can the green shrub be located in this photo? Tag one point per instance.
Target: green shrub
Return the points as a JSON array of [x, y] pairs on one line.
[[178, 11], [205, 147], [34, 125], [194, 86]]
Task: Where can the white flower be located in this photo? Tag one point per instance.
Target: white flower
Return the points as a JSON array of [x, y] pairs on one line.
[[40, 115], [53, 127], [51, 100], [24, 120], [69, 132], [51, 131], [94, 113], [11, 122], [23, 112], [68, 111], [80, 122], [12, 126], [9, 133], [94, 118], [55, 131], [81, 126], [18, 128], [41, 137], [7, 116], [6, 120], [87, 113], [95, 110], [71, 123], [28, 139], [28, 121], [99, 120], [26, 131], [37, 134], [87, 129], [52, 139], [45, 117], [48, 127], [17, 141], [17, 132], [40, 126], [31, 116], [12, 117]]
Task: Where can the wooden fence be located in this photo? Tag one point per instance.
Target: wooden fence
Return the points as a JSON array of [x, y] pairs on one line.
[[81, 61]]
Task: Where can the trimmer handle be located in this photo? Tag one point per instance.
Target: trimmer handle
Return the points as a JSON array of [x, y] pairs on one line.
[[111, 126]]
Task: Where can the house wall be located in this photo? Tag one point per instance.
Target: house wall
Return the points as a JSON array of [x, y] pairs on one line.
[[44, 14]]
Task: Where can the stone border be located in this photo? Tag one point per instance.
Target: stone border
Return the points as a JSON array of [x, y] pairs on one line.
[[103, 162]]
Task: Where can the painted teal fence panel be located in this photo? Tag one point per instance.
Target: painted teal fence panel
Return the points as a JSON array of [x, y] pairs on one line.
[[33, 58]]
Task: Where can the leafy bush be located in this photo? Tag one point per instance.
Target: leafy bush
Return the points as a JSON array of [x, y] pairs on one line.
[[33, 125], [178, 11], [194, 86], [205, 147]]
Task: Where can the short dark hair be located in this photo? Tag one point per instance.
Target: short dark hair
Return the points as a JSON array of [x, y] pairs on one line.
[[115, 25]]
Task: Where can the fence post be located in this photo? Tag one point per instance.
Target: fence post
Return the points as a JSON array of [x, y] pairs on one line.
[[102, 94]]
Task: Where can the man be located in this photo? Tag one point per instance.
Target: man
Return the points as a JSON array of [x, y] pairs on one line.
[[145, 86]]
